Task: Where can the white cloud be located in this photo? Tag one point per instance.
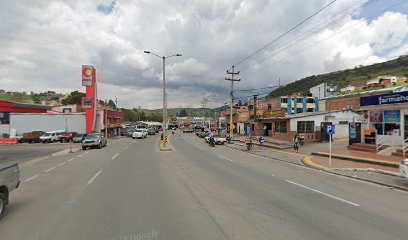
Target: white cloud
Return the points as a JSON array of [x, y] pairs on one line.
[[44, 43]]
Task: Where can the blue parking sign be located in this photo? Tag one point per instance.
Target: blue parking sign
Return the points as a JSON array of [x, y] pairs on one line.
[[330, 129]]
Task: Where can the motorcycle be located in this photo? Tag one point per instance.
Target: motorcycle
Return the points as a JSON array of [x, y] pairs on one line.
[[211, 142], [249, 144]]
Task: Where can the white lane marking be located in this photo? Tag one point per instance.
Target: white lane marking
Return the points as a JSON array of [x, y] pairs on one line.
[[49, 170], [80, 155], [323, 193], [93, 178], [72, 159], [225, 158], [31, 178], [86, 153], [115, 156], [272, 175], [62, 164]]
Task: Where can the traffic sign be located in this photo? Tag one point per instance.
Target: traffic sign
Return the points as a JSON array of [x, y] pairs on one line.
[[232, 127], [331, 129]]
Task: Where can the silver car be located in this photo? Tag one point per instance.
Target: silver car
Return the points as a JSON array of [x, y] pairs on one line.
[[93, 141]]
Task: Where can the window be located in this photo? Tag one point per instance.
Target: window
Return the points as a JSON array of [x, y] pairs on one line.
[[310, 110], [4, 118], [386, 122], [310, 100], [269, 107], [299, 110], [284, 100], [305, 126], [343, 122], [280, 127]]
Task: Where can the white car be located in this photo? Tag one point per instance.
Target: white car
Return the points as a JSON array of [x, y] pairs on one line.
[[404, 168], [139, 133], [52, 136]]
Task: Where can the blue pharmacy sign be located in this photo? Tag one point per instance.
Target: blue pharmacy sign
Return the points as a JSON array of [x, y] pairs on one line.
[[392, 98]]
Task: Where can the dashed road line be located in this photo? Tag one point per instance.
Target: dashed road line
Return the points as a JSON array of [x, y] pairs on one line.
[[115, 156], [93, 178], [62, 164], [225, 158], [72, 159], [31, 178], [323, 193], [80, 155], [49, 170]]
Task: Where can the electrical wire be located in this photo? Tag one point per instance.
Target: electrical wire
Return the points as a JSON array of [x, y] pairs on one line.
[[284, 34]]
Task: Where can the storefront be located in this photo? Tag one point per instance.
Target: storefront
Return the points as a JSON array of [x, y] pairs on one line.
[[387, 115]]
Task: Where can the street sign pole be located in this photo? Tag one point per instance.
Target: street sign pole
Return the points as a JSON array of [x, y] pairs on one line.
[[330, 151], [330, 131]]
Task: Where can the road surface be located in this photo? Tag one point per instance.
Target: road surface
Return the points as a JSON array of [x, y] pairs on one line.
[[130, 190]]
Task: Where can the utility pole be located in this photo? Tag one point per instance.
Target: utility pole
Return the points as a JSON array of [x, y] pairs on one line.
[[232, 73], [255, 107], [204, 102]]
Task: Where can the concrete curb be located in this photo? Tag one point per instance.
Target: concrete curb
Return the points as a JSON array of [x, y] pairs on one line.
[[357, 159], [321, 168], [307, 161], [268, 146]]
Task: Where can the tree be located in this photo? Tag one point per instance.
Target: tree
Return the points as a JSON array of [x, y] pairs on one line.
[[183, 113], [74, 97], [112, 104]]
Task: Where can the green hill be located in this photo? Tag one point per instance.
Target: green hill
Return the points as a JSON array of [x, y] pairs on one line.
[[355, 77]]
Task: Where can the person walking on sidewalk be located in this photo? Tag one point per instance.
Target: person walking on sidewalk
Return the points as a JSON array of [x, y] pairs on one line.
[[261, 140], [296, 143]]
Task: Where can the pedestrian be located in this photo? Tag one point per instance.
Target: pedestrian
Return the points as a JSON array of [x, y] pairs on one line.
[[261, 140], [296, 143]]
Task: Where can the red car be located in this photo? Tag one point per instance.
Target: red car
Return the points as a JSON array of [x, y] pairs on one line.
[[67, 137]]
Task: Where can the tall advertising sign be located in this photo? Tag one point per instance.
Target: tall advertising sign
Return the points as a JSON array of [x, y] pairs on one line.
[[87, 75], [89, 102]]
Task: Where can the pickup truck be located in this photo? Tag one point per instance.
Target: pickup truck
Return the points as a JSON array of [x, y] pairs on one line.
[[217, 139], [32, 136], [9, 180]]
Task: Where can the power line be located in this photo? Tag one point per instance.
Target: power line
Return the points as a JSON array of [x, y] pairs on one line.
[[254, 89], [286, 33], [312, 32]]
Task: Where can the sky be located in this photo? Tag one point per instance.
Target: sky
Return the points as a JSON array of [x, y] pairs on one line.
[[44, 43]]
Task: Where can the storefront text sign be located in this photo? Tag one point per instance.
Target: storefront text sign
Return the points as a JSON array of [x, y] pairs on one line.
[[274, 113], [392, 98]]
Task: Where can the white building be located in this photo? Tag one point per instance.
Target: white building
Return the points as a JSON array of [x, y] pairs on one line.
[[324, 90]]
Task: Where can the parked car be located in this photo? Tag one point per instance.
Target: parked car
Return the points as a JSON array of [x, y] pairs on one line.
[[151, 131], [139, 133], [19, 138], [32, 136], [52, 136], [129, 132], [404, 168], [9, 180], [68, 137], [78, 138], [95, 140], [188, 130]]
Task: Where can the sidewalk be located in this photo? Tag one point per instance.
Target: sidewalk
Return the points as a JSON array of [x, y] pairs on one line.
[[379, 174], [269, 142]]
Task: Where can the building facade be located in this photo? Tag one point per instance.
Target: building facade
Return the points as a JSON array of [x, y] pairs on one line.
[[298, 104], [323, 90]]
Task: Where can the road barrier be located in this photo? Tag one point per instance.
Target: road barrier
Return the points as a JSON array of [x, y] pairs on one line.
[[8, 140]]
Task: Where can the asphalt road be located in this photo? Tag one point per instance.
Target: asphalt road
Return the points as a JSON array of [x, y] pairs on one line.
[[130, 190], [23, 152]]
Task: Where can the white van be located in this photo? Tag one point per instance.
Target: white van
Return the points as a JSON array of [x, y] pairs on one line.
[[52, 136]]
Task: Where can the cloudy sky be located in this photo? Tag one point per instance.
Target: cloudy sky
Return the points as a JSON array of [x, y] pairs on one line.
[[43, 44]]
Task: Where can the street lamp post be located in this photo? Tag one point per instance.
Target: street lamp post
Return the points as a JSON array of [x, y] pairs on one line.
[[164, 93]]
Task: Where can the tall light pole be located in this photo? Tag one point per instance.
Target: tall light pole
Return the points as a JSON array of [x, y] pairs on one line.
[[164, 92]]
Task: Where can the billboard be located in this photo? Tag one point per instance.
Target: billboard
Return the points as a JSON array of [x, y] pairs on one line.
[[86, 102], [87, 75]]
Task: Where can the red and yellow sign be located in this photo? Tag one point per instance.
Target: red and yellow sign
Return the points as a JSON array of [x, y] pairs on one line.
[[87, 75]]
